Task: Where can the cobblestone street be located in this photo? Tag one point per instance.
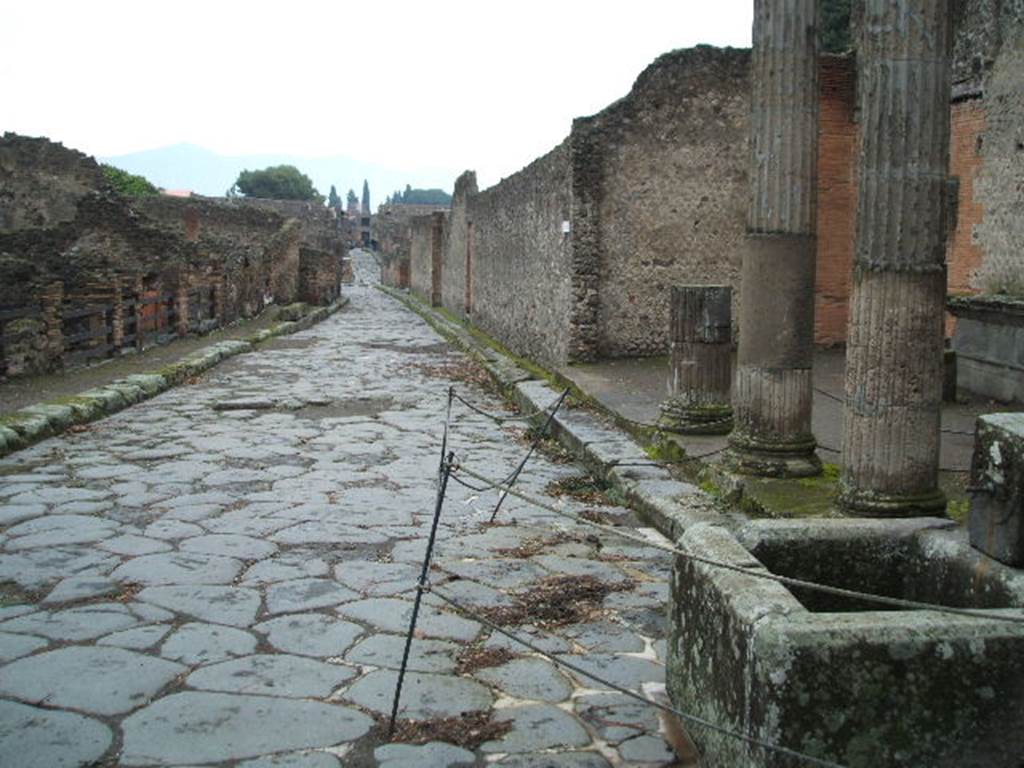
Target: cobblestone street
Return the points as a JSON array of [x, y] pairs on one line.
[[223, 575]]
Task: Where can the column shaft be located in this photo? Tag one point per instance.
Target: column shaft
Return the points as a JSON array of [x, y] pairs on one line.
[[894, 355]]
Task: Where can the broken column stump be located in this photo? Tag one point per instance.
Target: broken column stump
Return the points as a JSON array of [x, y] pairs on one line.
[[996, 521], [700, 369], [894, 349], [773, 393]]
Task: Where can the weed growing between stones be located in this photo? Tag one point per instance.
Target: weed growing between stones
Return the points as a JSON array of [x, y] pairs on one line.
[[536, 546], [478, 657], [585, 488], [468, 730], [556, 602]]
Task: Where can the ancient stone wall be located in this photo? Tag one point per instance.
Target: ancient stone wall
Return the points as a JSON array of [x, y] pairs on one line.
[[319, 276], [670, 193], [999, 190], [522, 260], [41, 182], [457, 249], [425, 263]]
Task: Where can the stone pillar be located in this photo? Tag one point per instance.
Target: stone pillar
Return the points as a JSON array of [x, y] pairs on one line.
[[116, 315], [51, 302], [700, 369], [894, 352], [181, 304], [773, 391]]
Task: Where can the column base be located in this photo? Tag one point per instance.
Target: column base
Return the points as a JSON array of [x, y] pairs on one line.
[[863, 502], [683, 419], [761, 458]]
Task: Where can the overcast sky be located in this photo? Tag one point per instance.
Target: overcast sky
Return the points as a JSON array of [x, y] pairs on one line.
[[412, 85]]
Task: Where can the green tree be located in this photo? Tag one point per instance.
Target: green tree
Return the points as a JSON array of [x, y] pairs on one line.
[[333, 200], [279, 182], [128, 184], [835, 26], [351, 198], [366, 197]]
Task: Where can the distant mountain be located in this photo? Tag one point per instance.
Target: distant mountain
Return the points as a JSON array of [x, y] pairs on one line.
[[187, 166]]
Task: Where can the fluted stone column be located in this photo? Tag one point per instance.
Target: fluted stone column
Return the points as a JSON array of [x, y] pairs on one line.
[[772, 393], [894, 353], [700, 368]]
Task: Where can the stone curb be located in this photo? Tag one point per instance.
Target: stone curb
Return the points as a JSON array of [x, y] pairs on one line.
[[34, 423], [672, 506]]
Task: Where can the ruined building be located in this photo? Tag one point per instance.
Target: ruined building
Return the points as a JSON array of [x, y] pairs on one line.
[[86, 273]]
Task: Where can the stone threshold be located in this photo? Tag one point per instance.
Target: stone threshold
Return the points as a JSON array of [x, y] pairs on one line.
[[35, 423]]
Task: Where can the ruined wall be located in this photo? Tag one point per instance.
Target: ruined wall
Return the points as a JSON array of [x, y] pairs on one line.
[[837, 197], [1000, 192], [672, 191], [522, 261], [456, 251], [41, 182], [425, 263], [319, 276]]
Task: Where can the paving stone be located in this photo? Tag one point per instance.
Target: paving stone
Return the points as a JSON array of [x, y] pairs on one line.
[[197, 643], [546, 641], [472, 594], [15, 646], [294, 760], [499, 573], [536, 727], [55, 530], [285, 568], [327, 532], [57, 494], [272, 675], [43, 738], [424, 696], [433, 755], [103, 681], [11, 514], [306, 594], [626, 671], [646, 749], [375, 578], [557, 760], [229, 545], [80, 587], [310, 634], [108, 471], [151, 613], [246, 522], [132, 545], [179, 568], [235, 606], [386, 651], [605, 637], [177, 729], [136, 639], [73, 624], [172, 529], [529, 678], [616, 717], [390, 614], [576, 566]]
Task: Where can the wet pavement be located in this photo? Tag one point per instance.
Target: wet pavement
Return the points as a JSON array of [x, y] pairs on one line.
[[222, 575]]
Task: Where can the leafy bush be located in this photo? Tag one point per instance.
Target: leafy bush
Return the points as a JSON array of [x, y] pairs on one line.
[[279, 182], [128, 184]]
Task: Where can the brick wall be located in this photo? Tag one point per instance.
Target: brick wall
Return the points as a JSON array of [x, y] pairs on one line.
[[964, 255], [837, 198]]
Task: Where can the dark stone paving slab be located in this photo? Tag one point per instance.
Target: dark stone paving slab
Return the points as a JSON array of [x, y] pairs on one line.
[[306, 594], [197, 643], [559, 760], [15, 646], [312, 634], [72, 624], [530, 678], [136, 639], [42, 738], [102, 681], [392, 615], [194, 727], [272, 675], [537, 727], [432, 755], [229, 545], [383, 650], [626, 671], [294, 760], [424, 696], [236, 606]]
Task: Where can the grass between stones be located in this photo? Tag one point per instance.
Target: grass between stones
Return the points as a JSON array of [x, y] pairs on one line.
[[556, 602], [477, 657]]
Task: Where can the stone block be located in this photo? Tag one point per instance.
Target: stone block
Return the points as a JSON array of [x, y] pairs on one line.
[[996, 521]]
